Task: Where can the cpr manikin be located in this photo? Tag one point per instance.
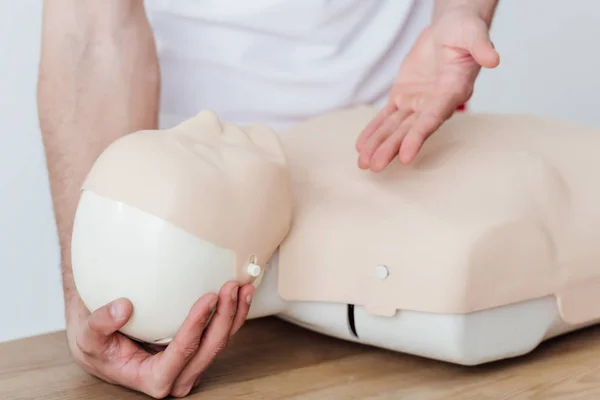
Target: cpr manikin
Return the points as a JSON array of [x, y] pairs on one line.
[[478, 251]]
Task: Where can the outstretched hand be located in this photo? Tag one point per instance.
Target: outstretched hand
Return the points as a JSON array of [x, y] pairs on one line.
[[436, 77], [175, 370]]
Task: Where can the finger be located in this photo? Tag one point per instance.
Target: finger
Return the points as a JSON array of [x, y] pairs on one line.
[[97, 332], [485, 54], [370, 129], [481, 47], [186, 343], [390, 147], [381, 134], [243, 308], [214, 340], [435, 112]]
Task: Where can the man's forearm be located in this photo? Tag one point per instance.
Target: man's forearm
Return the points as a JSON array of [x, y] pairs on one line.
[[485, 8], [98, 80]]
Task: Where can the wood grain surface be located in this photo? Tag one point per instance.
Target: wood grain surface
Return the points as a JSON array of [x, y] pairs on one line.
[[270, 359]]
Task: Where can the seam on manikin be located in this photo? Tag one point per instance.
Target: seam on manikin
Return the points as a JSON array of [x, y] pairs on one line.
[[352, 321]]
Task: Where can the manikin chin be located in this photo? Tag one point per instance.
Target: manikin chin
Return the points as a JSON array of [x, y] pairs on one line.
[[479, 251]]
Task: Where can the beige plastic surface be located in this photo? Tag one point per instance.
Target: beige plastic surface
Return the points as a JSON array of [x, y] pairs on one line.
[[225, 184], [495, 210]]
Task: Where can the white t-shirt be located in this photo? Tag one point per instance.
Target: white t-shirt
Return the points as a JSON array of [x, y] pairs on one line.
[[279, 61]]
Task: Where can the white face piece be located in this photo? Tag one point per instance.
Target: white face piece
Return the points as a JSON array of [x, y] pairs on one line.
[[121, 251]]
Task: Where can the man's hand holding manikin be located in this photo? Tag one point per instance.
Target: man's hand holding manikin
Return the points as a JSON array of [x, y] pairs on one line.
[[436, 77], [158, 371]]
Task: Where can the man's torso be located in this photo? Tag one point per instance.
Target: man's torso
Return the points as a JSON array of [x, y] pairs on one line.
[[279, 61]]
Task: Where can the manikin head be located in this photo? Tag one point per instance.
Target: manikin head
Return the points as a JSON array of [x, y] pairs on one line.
[[167, 216]]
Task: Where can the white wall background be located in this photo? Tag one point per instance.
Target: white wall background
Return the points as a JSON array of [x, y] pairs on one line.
[[550, 66], [550, 60], [30, 287]]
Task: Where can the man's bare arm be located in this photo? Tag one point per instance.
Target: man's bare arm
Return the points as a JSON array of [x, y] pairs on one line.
[[99, 79], [485, 8]]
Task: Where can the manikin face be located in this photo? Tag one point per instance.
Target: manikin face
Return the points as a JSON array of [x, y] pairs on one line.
[[182, 210], [242, 182]]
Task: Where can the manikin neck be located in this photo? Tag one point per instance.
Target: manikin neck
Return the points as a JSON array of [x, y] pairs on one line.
[[266, 300]]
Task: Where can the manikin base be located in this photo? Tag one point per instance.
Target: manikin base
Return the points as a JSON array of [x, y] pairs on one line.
[[477, 338]]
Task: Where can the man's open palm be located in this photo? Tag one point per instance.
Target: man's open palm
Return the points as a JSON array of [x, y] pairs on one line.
[[436, 77]]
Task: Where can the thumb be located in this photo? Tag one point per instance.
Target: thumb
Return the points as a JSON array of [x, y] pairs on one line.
[[482, 49], [98, 329]]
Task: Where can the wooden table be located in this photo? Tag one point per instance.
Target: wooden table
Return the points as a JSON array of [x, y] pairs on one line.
[[270, 359]]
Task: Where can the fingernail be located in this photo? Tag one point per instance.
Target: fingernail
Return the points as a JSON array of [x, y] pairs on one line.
[[213, 304], [249, 299], [234, 293], [116, 310]]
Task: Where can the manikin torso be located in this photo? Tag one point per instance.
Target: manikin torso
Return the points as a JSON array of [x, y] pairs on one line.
[[496, 210]]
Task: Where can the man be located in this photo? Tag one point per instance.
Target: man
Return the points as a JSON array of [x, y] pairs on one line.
[[108, 70]]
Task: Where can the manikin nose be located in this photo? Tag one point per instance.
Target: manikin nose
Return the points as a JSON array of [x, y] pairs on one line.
[[211, 121], [204, 126]]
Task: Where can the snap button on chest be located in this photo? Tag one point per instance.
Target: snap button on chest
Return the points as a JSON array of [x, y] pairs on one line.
[[381, 272]]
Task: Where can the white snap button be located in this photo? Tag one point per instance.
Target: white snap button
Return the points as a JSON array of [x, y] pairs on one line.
[[382, 272], [254, 270]]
